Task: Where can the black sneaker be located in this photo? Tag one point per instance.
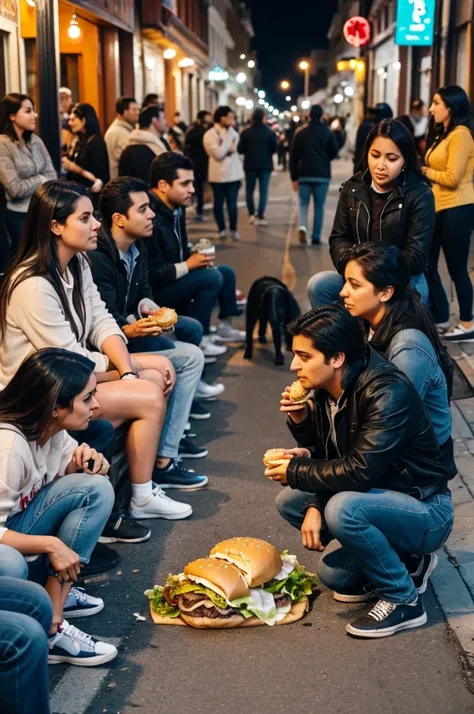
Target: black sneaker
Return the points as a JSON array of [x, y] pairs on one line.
[[102, 559], [176, 476], [122, 528], [386, 619], [199, 411], [189, 450], [421, 576], [357, 594]]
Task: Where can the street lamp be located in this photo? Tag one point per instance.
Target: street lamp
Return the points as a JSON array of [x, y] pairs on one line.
[[240, 101], [241, 77], [261, 93], [294, 108], [285, 84], [304, 65], [305, 104], [288, 98], [251, 64]]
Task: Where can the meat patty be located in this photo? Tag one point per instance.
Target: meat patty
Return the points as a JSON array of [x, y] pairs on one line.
[[282, 599]]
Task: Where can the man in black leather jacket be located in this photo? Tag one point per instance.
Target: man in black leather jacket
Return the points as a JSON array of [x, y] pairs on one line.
[[367, 471]]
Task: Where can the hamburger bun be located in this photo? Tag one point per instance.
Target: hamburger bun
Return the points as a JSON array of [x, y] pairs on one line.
[[298, 394], [258, 560], [297, 611], [220, 576], [274, 457], [164, 317]]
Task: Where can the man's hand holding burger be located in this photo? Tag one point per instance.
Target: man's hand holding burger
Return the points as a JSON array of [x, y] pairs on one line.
[[311, 529], [297, 412]]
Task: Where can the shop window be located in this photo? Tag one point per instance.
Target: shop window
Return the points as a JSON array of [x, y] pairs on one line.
[[70, 74], [3, 63], [462, 63], [31, 69]]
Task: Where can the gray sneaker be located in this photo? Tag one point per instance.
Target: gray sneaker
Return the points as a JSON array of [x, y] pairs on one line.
[[234, 235], [227, 333]]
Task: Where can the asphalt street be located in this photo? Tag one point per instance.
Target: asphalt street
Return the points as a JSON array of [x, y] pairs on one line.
[[311, 666]]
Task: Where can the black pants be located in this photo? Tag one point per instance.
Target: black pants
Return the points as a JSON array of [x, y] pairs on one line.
[[453, 234], [226, 193], [199, 182], [14, 221]]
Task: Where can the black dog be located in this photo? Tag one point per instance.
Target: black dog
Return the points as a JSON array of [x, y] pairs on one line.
[[270, 301]]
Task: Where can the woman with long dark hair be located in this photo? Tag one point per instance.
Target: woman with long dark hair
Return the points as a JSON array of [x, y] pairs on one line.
[[387, 200], [24, 161], [48, 299], [449, 166], [87, 161], [377, 289], [54, 499]]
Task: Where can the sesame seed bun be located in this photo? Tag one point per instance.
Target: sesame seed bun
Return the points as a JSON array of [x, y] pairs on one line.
[[220, 576], [258, 560], [274, 457]]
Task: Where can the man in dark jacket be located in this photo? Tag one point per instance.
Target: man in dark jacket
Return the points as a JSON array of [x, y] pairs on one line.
[[312, 151], [194, 150], [181, 279], [362, 133], [144, 143], [258, 143], [367, 471]]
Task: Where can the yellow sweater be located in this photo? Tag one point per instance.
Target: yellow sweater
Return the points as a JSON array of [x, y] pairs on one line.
[[450, 168]]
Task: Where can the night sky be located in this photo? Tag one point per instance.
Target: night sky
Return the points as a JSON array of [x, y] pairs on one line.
[[285, 32]]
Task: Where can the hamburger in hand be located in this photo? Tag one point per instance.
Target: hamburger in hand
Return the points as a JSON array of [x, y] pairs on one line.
[[245, 582]]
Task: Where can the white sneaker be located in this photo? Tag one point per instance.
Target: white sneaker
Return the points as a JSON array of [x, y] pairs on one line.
[[208, 391], [222, 235], [261, 222], [159, 505], [209, 349], [234, 235], [251, 220], [227, 333], [72, 645], [80, 604]]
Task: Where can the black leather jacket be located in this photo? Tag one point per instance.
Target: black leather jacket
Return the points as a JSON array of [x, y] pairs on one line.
[[384, 440], [407, 220]]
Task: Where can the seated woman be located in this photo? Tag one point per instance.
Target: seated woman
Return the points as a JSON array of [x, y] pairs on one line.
[[388, 200], [377, 289], [48, 508], [48, 299]]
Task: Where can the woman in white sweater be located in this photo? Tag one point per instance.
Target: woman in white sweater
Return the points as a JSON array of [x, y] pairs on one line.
[[54, 499], [48, 299], [24, 160]]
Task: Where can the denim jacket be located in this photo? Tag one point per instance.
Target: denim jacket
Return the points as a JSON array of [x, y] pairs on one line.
[[412, 352]]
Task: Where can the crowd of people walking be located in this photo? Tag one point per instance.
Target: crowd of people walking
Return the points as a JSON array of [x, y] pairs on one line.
[[88, 258]]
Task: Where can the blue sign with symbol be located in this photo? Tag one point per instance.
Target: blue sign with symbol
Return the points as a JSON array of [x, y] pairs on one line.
[[415, 22]]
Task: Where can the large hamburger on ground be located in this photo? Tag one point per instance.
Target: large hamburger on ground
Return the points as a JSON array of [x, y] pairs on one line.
[[267, 588]]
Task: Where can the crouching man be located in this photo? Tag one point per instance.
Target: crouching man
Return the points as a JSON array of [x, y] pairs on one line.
[[367, 472]]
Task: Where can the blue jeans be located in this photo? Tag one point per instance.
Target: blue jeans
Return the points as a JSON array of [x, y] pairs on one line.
[[251, 177], [197, 292], [12, 563], [99, 434], [324, 288], [74, 508], [317, 188], [25, 618], [374, 530], [226, 193], [187, 329]]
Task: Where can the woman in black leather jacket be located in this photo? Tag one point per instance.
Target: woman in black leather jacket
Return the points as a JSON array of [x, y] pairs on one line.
[[389, 200]]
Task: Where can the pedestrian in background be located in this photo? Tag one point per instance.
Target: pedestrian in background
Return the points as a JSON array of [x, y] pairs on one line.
[[258, 143], [144, 143], [449, 166], [388, 199], [225, 168], [362, 133], [65, 106], [87, 161], [118, 133], [24, 161], [194, 150], [312, 151]]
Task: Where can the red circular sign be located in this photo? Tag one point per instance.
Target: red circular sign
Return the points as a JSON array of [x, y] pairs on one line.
[[357, 31]]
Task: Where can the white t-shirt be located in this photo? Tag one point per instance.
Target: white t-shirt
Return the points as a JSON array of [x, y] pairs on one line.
[[26, 467]]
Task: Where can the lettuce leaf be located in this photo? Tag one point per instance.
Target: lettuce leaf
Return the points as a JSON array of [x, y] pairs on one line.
[[179, 586], [159, 604], [298, 585]]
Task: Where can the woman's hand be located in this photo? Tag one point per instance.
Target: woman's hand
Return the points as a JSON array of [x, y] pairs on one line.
[[65, 561], [97, 186], [311, 530], [83, 454], [297, 412], [67, 164], [424, 170], [278, 473], [295, 186]]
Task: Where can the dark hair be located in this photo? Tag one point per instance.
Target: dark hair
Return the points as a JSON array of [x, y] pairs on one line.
[[417, 104], [37, 254], [88, 113], [203, 113], [123, 103], [258, 115], [165, 167], [49, 378], [222, 112], [177, 114], [457, 102], [11, 104], [383, 111], [333, 330], [149, 100], [383, 265], [316, 112], [399, 134], [146, 115], [371, 112], [115, 197]]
